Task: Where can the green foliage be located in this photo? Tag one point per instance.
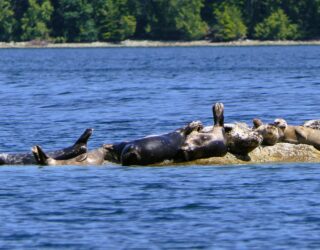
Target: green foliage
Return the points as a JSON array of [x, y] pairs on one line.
[[114, 20], [276, 27], [306, 14], [76, 17], [176, 20], [189, 22], [59, 39], [35, 20], [229, 25], [144, 13], [6, 20]]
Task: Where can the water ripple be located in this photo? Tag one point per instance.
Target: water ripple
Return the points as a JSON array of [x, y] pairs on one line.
[[50, 96]]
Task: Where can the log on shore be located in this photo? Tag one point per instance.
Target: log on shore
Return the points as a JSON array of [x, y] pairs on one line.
[[279, 153]]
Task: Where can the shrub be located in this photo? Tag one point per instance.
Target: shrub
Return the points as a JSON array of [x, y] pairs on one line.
[[276, 27], [229, 24]]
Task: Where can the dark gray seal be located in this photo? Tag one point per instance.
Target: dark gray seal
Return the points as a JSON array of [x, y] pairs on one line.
[[78, 148], [200, 144], [151, 149], [93, 157]]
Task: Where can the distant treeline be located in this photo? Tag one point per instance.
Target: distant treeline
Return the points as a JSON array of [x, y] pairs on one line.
[[117, 20]]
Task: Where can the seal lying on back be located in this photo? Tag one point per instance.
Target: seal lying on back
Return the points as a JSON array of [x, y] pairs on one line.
[[78, 148], [298, 134], [201, 144], [151, 149], [93, 157]]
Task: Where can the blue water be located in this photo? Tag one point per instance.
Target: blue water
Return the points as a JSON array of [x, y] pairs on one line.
[[49, 96]]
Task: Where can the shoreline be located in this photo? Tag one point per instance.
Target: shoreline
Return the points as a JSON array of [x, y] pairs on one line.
[[147, 43]]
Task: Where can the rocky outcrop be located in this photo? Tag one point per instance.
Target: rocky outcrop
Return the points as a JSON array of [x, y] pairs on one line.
[[279, 153]]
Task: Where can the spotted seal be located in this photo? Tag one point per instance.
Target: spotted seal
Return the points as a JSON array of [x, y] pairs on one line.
[[315, 124], [241, 139], [79, 147], [270, 133], [93, 157], [298, 134]]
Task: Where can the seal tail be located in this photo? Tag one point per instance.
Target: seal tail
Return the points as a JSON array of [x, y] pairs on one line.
[[83, 139], [40, 155]]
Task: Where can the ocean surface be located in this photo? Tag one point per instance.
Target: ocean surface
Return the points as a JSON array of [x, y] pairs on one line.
[[50, 96]]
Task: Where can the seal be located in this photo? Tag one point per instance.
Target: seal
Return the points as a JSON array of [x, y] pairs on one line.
[[315, 124], [270, 133], [298, 134], [79, 147], [152, 149], [205, 144], [93, 157], [256, 123], [114, 151], [241, 139]]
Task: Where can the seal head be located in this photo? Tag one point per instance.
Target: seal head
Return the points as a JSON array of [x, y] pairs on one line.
[[270, 133]]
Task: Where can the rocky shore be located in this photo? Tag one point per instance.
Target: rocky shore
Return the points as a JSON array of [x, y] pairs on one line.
[[279, 153], [145, 43]]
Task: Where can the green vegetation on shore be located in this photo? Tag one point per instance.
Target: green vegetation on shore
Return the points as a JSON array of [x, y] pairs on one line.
[[181, 20]]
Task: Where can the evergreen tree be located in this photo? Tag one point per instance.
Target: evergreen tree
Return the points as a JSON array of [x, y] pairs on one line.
[[255, 11], [76, 22], [145, 15], [276, 27], [189, 22], [207, 11], [177, 20], [306, 14], [19, 8], [57, 22], [229, 25], [6, 20], [114, 21], [35, 20]]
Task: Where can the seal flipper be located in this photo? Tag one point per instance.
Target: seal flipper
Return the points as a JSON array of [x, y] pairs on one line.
[[39, 155], [85, 136], [78, 148]]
